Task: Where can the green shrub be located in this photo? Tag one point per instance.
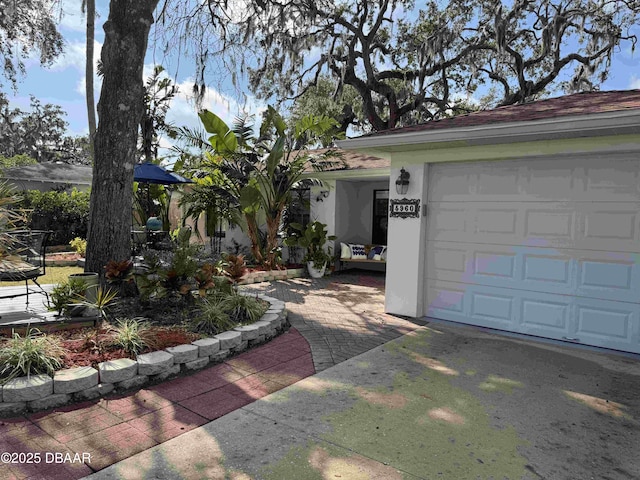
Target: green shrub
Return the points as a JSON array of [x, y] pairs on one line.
[[66, 214], [133, 335], [79, 245], [32, 354]]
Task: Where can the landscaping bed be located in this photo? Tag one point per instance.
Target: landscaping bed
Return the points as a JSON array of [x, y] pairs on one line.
[[94, 374], [91, 346]]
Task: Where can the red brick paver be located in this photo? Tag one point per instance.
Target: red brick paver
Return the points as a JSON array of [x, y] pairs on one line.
[[119, 426]]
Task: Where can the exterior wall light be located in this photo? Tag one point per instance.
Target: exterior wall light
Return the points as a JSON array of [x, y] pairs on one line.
[[322, 195], [402, 183]]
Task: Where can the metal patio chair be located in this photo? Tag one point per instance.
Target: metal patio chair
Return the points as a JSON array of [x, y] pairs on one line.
[[22, 257]]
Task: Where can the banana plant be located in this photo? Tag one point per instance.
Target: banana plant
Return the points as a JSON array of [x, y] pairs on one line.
[[262, 173]]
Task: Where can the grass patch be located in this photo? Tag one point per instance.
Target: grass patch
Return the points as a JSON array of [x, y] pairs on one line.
[[54, 275]]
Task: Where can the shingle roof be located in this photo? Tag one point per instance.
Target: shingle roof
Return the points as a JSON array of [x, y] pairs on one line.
[[585, 103], [353, 160], [51, 172]]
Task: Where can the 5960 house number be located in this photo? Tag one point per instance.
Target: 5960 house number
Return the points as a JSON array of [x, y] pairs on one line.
[[404, 208]]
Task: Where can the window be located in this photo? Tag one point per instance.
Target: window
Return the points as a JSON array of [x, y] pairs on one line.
[[380, 217]]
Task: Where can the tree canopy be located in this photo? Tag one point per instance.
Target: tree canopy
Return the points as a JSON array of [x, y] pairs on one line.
[[409, 61], [39, 133], [27, 26]]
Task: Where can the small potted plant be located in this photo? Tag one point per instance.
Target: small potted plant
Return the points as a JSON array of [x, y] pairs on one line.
[[313, 237]]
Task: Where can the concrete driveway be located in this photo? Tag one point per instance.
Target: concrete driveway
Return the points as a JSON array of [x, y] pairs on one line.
[[441, 402]]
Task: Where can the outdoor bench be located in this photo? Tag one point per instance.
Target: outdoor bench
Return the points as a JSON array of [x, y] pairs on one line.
[[354, 253]]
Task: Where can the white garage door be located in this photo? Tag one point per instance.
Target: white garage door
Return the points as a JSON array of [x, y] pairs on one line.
[[546, 247]]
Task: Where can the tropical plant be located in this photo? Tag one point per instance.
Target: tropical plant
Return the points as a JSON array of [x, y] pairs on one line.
[[313, 237], [261, 173], [235, 267], [159, 90], [213, 316], [104, 299], [121, 275], [66, 294], [151, 280], [204, 278], [32, 353], [183, 267], [133, 335]]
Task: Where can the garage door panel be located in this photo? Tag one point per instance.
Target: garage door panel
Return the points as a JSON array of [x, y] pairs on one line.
[[540, 269], [610, 226], [583, 273], [596, 322], [608, 324], [501, 221], [617, 224], [539, 315], [447, 301], [589, 179], [551, 223], [619, 181], [547, 269], [607, 275], [492, 307], [492, 264]]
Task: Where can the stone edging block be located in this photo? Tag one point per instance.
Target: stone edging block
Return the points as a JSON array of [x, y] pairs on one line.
[[75, 380], [154, 362], [183, 353], [115, 371], [229, 340], [25, 389], [39, 392], [207, 346], [249, 332]]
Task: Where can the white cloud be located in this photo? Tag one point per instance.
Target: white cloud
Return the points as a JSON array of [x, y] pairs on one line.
[[184, 112], [74, 56], [74, 20], [72, 16], [634, 82]]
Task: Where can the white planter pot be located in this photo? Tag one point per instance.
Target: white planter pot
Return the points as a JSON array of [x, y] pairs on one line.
[[314, 272]]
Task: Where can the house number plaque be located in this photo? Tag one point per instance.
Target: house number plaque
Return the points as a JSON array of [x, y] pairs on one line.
[[404, 208]]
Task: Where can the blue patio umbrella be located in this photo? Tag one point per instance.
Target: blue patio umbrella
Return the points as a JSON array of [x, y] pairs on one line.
[[152, 173]]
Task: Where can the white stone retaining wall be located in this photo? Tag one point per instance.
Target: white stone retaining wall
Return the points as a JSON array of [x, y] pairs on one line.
[[41, 392]]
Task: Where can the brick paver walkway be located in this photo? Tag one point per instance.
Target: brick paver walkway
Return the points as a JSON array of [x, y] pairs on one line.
[[341, 315]]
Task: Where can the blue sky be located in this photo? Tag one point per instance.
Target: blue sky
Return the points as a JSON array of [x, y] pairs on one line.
[[63, 82]]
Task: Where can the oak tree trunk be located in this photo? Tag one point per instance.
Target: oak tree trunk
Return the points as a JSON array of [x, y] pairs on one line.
[[119, 111]]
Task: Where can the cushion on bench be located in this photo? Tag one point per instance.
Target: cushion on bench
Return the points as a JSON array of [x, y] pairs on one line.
[[359, 252]]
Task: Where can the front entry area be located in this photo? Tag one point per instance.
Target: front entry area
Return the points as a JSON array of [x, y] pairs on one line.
[[545, 247]]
